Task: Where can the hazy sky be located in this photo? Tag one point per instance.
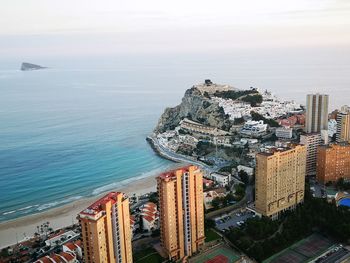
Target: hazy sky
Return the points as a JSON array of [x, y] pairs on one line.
[[114, 26]]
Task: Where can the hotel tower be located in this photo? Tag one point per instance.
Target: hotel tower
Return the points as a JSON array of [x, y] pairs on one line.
[[311, 141], [316, 118], [343, 125], [181, 211], [279, 180], [106, 232]]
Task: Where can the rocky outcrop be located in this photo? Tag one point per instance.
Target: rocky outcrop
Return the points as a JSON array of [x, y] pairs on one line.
[[197, 107], [28, 66]]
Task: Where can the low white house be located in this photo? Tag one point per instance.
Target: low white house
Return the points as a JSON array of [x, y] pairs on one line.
[[248, 170], [61, 238], [221, 178], [254, 128], [149, 215], [63, 257], [73, 247]]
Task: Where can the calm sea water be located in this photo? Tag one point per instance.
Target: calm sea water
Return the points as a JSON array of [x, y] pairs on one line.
[[78, 128]]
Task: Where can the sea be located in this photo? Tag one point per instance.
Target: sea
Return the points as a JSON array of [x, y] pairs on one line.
[[78, 128]]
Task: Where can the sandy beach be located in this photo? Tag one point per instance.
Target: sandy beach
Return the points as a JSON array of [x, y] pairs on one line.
[[21, 228]]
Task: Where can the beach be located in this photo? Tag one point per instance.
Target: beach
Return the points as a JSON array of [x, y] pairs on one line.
[[19, 229]]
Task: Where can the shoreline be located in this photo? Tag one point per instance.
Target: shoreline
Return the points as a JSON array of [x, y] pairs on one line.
[[22, 228], [177, 158], [19, 229]]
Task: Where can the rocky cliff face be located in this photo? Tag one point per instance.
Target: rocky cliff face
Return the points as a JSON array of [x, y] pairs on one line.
[[196, 107]]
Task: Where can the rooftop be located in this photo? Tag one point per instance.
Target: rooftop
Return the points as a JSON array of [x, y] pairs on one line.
[[172, 173], [71, 246], [151, 205], [67, 256], [272, 151], [45, 259], [97, 207], [57, 258], [330, 146]]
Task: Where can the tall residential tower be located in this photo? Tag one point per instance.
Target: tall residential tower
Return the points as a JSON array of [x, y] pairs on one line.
[[106, 233], [316, 113], [280, 180], [343, 125], [181, 211], [311, 141]]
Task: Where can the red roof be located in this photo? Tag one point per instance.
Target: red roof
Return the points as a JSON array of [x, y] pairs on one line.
[[150, 209], [78, 243], [98, 205], [146, 213], [57, 258], [150, 204], [67, 256], [71, 246], [172, 173], [149, 218], [44, 260]]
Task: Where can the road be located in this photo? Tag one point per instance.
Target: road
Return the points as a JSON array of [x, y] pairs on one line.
[[166, 153]]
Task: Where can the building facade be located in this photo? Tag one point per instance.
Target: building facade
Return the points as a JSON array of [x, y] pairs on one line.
[[254, 128], [181, 211], [333, 162], [284, 133], [311, 141], [316, 118], [280, 180], [223, 179], [106, 232], [343, 126], [197, 127]]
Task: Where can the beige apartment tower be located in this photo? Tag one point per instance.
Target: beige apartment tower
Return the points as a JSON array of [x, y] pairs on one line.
[[343, 125], [316, 118], [311, 141], [181, 211], [280, 180], [333, 162], [106, 232]]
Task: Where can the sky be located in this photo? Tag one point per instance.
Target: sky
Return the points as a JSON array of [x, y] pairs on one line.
[[155, 26]]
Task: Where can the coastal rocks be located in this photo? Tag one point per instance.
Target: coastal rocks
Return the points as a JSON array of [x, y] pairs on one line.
[[197, 107], [28, 66]]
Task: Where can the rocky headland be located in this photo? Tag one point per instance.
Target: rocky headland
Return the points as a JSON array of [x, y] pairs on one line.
[[198, 106], [29, 66], [219, 124]]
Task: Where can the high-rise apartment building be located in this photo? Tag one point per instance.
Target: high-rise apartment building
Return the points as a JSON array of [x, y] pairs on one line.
[[181, 211], [311, 141], [280, 180], [106, 232], [333, 162], [316, 113], [343, 125]]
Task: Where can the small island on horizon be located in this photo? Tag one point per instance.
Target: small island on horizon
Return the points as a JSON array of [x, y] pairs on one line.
[[29, 66]]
